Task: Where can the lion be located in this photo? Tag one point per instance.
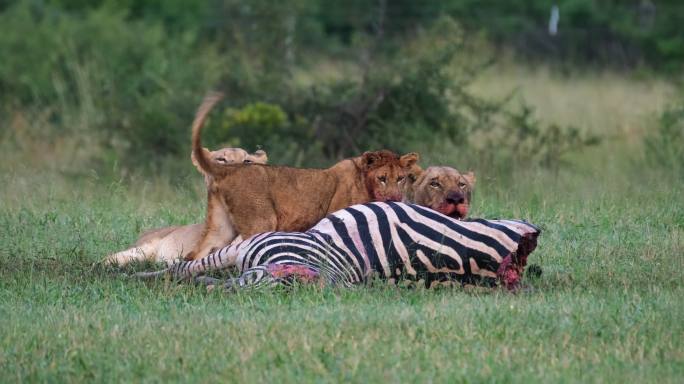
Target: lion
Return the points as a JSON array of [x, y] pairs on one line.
[[170, 243], [245, 200], [441, 188]]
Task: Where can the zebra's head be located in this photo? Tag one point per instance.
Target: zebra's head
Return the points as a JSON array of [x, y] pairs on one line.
[[445, 190]]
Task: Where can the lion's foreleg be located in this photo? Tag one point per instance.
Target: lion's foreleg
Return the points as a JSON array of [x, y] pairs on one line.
[[214, 237]]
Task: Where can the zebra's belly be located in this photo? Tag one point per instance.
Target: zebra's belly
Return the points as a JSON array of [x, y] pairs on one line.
[[315, 251]]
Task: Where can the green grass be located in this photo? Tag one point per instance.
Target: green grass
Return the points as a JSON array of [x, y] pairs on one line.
[[608, 307]]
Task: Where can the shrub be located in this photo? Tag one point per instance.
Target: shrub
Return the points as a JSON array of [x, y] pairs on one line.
[[254, 125], [99, 73]]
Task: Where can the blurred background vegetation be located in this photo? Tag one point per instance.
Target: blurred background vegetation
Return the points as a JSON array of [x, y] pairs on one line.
[[112, 86]]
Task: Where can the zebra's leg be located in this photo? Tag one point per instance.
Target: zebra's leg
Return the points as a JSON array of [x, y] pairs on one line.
[[206, 280], [209, 282], [272, 275], [218, 260], [251, 279], [218, 231], [254, 278], [264, 276]]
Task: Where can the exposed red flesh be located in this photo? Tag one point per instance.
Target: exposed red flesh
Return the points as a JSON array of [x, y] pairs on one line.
[[298, 272], [511, 268]]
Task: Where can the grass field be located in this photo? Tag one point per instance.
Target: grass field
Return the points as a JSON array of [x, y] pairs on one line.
[[608, 307]]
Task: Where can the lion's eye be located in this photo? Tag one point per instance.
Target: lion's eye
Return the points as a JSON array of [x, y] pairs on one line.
[[247, 161], [462, 185], [222, 160], [434, 184], [382, 179]]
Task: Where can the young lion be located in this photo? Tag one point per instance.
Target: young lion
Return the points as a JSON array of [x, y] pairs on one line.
[[246, 200], [443, 189], [169, 243]]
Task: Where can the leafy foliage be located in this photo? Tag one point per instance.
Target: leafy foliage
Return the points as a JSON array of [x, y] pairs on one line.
[[258, 123], [98, 73]]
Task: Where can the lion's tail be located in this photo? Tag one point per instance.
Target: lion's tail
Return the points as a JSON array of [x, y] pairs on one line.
[[207, 104]]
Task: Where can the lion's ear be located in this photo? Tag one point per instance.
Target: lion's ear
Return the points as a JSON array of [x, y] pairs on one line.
[[409, 159], [415, 172], [369, 159], [207, 153], [470, 176], [261, 156]]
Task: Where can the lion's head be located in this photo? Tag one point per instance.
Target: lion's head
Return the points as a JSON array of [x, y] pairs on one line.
[[385, 172], [445, 190]]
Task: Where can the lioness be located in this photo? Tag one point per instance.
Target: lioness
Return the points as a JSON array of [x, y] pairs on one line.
[[443, 189], [246, 200], [169, 243]]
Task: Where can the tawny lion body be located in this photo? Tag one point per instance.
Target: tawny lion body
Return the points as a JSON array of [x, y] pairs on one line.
[[245, 200], [168, 244]]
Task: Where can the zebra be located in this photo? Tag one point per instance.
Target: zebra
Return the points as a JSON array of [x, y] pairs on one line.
[[390, 240]]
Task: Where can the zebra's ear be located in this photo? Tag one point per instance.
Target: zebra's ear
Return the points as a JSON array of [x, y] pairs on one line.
[[470, 176], [409, 159]]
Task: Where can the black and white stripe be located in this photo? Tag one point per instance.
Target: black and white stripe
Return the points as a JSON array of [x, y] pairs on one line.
[[389, 240]]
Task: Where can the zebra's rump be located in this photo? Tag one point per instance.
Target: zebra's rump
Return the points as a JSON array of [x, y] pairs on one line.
[[400, 240]]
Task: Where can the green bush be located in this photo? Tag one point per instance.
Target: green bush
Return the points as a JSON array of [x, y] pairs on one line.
[[98, 72], [258, 124], [410, 95]]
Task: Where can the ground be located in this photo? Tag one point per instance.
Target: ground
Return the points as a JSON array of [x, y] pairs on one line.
[[607, 308]]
